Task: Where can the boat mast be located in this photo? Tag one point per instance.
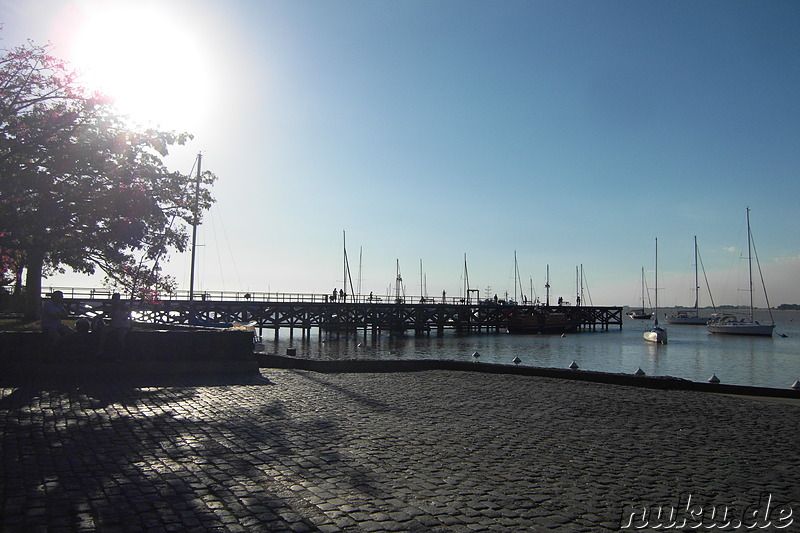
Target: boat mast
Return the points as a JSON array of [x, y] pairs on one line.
[[344, 260], [642, 288], [360, 252], [466, 280], [346, 268], [421, 283], [195, 221], [532, 299], [749, 264], [398, 284], [547, 288], [516, 276], [656, 289], [696, 282]]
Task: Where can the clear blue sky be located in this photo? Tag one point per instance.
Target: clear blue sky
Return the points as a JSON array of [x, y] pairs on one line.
[[572, 132]]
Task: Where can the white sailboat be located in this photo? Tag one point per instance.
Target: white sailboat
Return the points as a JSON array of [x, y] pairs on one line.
[[640, 314], [692, 317], [731, 324], [656, 334]]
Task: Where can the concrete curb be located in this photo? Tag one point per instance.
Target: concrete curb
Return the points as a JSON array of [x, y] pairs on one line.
[[651, 382]]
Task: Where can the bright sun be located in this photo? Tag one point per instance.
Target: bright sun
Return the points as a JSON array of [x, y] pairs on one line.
[[149, 62]]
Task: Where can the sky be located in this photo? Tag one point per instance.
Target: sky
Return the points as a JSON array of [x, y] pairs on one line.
[[571, 134]]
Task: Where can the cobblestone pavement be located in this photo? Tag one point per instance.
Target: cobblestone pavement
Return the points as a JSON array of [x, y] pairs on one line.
[[418, 451]]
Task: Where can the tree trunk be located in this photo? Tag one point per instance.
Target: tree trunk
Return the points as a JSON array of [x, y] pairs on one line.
[[33, 286]]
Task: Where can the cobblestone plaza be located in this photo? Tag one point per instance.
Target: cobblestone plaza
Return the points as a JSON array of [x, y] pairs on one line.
[[288, 450]]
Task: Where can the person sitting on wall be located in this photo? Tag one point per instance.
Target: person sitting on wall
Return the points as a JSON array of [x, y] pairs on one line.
[[52, 313], [119, 317], [120, 321], [81, 343]]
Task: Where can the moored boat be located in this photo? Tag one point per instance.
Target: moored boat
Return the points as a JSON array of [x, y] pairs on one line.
[[540, 321], [692, 317], [728, 324], [656, 334], [686, 317], [640, 314]]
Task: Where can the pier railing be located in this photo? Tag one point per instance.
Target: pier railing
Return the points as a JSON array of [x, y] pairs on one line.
[[304, 311], [89, 293]]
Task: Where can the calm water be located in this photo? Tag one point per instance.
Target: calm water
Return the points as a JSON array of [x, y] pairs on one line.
[[692, 353]]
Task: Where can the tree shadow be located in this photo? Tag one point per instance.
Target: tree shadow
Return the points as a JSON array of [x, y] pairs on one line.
[[161, 453]]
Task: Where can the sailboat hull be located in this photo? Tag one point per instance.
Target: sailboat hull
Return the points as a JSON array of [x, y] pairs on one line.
[[742, 328], [728, 324], [656, 334]]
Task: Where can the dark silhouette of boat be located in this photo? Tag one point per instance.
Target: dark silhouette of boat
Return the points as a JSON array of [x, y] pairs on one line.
[[540, 321]]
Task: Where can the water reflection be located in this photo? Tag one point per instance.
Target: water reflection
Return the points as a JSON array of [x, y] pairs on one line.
[[692, 353]]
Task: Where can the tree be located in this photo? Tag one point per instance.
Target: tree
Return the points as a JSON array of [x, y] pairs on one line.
[[80, 187]]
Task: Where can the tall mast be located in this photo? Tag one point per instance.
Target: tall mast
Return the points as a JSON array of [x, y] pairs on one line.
[[577, 287], [195, 221], [532, 299], [547, 288], [749, 264], [421, 282], [656, 289], [360, 250], [696, 282], [642, 288], [346, 274], [516, 275], [398, 284], [466, 280]]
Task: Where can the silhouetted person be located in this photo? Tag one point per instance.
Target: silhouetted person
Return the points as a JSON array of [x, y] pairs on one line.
[[119, 316], [52, 313]]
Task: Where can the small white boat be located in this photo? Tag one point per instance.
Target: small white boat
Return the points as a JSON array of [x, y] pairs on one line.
[[640, 314], [656, 334], [692, 317], [728, 324]]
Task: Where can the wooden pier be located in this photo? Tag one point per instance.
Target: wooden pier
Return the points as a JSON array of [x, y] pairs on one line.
[[306, 311]]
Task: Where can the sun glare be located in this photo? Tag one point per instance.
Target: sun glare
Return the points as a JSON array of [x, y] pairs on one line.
[[150, 63]]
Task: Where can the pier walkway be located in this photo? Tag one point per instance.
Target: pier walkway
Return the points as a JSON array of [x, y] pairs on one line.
[[439, 451], [367, 313]]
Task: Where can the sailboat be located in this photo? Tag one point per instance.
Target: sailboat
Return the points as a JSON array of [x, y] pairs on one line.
[[541, 319], [640, 314], [656, 334], [694, 317], [732, 325]]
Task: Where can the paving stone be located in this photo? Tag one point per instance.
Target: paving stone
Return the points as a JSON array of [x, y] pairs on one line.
[[424, 451]]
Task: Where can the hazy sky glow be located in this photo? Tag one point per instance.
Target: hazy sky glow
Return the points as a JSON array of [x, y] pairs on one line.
[[572, 132]]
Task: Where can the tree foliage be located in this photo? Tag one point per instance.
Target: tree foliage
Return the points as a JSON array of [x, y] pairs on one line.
[[80, 187]]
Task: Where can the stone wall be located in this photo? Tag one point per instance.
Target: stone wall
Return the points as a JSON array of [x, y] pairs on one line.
[[145, 351]]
